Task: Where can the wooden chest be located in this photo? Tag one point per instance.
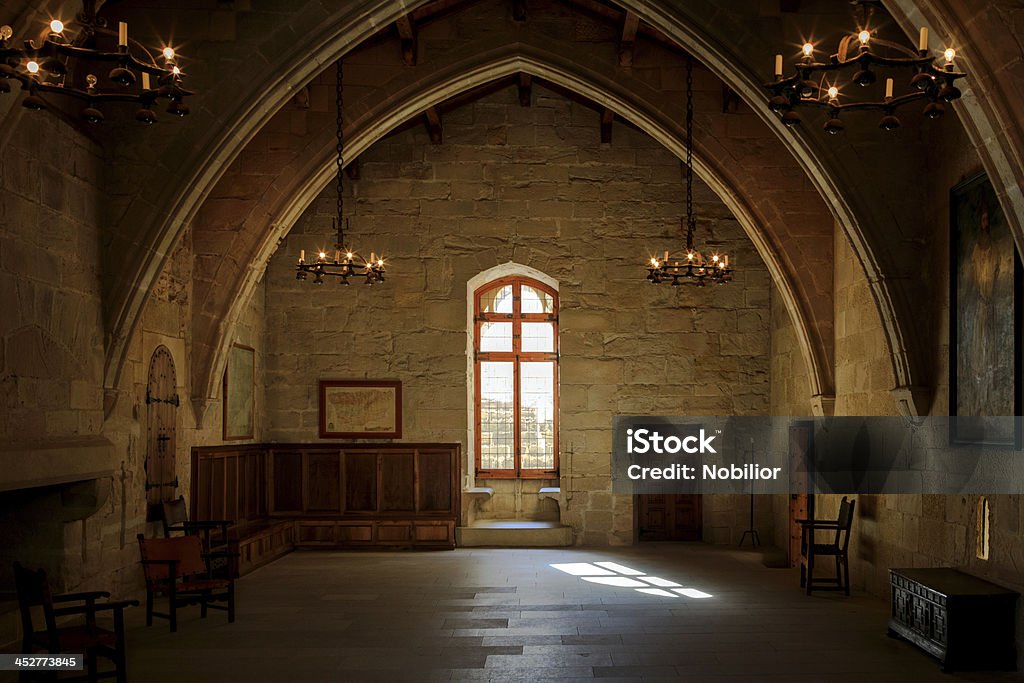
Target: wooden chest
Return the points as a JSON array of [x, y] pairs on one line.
[[964, 621]]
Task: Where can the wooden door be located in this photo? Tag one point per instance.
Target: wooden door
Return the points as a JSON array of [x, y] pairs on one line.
[[669, 517], [161, 432], [801, 501]]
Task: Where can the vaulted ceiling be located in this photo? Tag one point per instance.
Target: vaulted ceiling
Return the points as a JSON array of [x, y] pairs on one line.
[[258, 146]]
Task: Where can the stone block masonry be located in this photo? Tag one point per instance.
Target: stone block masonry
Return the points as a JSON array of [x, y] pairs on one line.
[[585, 213]]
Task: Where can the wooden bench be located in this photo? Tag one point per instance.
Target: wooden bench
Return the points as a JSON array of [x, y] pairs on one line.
[[261, 542], [286, 496]]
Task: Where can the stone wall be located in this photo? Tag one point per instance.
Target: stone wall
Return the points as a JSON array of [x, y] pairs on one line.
[[903, 530], [102, 549], [51, 340], [52, 201], [532, 185], [790, 397]]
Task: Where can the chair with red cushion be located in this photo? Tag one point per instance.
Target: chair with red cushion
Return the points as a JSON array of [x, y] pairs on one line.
[[176, 568], [89, 639], [219, 548]]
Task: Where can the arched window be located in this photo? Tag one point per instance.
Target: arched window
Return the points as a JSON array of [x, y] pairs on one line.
[[515, 342]]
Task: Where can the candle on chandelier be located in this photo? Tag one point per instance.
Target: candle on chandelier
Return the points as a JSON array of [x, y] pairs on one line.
[[145, 80], [888, 88], [922, 43], [665, 260], [302, 255], [122, 34], [778, 65]]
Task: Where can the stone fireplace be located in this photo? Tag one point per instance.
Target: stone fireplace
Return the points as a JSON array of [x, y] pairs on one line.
[[43, 487]]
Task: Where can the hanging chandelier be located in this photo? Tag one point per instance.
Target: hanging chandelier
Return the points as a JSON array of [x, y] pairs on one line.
[[690, 266], [820, 84], [88, 65], [343, 263]]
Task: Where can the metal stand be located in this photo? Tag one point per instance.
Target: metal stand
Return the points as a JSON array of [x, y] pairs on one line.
[[755, 539]]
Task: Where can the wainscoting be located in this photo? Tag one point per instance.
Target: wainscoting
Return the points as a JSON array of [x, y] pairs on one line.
[[285, 496]]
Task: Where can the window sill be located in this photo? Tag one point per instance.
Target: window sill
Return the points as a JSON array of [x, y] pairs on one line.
[[547, 474]]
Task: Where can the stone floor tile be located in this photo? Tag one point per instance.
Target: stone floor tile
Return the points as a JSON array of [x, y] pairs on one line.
[[502, 615]]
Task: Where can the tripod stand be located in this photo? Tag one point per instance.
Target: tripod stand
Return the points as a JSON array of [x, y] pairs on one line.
[[755, 538]]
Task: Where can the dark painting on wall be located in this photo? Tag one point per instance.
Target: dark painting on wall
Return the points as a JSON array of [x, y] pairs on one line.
[[985, 312]]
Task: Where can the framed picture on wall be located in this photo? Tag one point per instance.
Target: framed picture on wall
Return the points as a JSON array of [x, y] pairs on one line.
[[239, 393], [360, 409], [985, 307]]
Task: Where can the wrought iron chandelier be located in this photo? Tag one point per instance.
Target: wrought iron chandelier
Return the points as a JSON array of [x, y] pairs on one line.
[[819, 85], [88, 65], [690, 266], [344, 263]]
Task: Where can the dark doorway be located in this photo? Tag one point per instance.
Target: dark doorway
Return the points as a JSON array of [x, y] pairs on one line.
[[801, 502], [668, 517]]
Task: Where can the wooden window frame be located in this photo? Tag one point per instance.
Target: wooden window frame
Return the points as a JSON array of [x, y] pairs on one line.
[[516, 356]]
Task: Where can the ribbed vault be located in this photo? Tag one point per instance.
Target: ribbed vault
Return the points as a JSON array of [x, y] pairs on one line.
[[743, 182], [734, 41]]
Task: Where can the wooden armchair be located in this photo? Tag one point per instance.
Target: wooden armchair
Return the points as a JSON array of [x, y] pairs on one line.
[[177, 568], [213, 532], [838, 549], [88, 638]]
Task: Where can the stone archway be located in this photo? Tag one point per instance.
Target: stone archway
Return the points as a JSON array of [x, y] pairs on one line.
[[298, 184], [989, 113], [242, 115]]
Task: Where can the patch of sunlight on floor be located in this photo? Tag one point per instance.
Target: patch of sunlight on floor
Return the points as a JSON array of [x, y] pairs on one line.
[[621, 576], [582, 569], [621, 581], [657, 591]]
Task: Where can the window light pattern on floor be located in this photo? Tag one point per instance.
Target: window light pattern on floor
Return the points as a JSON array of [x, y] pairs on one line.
[[613, 574]]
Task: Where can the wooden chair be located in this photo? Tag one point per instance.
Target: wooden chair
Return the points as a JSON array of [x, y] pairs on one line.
[[176, 568], [213, 532], [838, 549], [89, 639]]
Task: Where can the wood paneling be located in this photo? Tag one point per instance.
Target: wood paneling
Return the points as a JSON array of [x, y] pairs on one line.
[[435, 484], [286, 492], [360, 481], [316, 495], [323, 493], [398, 481]]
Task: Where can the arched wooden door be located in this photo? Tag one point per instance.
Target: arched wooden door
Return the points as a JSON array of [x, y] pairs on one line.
[[161, 432]]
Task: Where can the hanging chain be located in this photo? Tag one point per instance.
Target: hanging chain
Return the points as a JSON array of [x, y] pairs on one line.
[[340, 180], [691, 221]]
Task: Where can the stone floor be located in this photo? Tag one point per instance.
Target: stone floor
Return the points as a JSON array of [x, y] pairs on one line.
[[507, 615]]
